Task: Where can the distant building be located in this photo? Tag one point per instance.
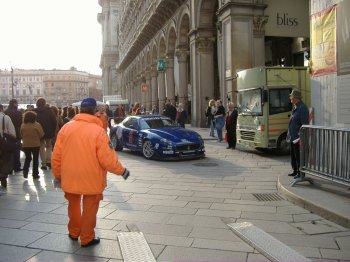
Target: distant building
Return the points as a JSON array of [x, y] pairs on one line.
[[58, 87]]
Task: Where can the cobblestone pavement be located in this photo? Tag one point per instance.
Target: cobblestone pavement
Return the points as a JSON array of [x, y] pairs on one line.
[[182, 208]]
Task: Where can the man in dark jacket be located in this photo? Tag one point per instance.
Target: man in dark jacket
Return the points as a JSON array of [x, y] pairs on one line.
[[48, 122], [299, 117], [231, 124], [170, 111], [16, 117]]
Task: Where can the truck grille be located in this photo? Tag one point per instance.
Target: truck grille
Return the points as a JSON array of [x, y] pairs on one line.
[[247, 135]]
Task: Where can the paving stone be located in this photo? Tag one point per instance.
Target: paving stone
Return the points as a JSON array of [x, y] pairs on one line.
[[273, 227], [214, 234], [168, 240], [127, 206], [15, 253], [310, 252], [19, 237], [235, 207], [127, 189], [50, 218], [244, 202], [256, 258], [29, 206], [197, 205], [106, 233], [173, 210], [218, 213], [335, 254], [156, 249], [171, 192], [56, 242], [106, 248], [292, 210], [158, 202], [171, 253], [201, 199], [106, 223], [234, 195], [317, 227], [52, 256], [154, 196], [130, 215], [45, 227], [164, 229], [198, 221], [267, 216], [12, 223], [16, 214], [222, 245], [318, 241], [343, 242], [306, 217]]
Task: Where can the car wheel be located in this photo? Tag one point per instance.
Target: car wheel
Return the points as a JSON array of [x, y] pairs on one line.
[[116, 143], [147, 149]]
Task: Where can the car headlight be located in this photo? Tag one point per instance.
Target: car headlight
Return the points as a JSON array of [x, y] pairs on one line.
[[165, 141]]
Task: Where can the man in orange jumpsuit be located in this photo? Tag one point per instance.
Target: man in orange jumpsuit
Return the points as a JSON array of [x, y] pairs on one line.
[[80, 161]]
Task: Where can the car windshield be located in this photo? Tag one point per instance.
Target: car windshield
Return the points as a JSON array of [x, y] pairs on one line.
[[250, 102], [157, 123]]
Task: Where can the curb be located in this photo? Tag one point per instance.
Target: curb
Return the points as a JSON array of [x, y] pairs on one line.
[[313, 207]]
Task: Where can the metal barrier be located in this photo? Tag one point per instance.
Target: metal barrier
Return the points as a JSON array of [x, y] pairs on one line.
[[324, 153]]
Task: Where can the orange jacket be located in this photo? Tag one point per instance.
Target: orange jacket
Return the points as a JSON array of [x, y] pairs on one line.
[[82, 156]]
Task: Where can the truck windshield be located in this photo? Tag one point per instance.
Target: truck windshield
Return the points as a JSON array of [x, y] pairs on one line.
[[250, 102]]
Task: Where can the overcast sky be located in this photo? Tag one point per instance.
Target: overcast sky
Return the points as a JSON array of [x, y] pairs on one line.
[[48, 34]]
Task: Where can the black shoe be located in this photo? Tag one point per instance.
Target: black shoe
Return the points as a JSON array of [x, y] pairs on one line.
[[18, 170], [233, 148], [93, 242], [4, 182], [292, 174], [297, 176], [36, 176], [43, 168], [25, 174], [228, 147], [73, 238]]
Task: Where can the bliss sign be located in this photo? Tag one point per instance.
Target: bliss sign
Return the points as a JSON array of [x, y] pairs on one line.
[[285, 20]]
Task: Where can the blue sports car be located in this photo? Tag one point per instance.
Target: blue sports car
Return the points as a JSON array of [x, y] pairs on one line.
[[157, 136]]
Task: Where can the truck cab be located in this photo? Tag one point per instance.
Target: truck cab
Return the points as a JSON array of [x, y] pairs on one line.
[[265, 107]]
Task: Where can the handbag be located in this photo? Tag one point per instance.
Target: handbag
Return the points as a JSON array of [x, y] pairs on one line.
[[7, 142]]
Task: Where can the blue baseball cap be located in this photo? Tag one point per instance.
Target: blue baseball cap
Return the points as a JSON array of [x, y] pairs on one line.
[[88, 102]]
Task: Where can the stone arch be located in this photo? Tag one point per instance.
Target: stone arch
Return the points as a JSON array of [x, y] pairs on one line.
[[171, 39], [154, 54], [161, 47], [206, 13], [183, 28]]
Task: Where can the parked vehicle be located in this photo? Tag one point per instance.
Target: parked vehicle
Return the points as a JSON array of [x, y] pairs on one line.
[[265, 107], [157, 136]]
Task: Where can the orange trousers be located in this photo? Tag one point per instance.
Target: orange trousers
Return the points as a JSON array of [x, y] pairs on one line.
[[82, 223]]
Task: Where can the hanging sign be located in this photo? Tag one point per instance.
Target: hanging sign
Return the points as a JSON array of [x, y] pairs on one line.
[[161, 66]]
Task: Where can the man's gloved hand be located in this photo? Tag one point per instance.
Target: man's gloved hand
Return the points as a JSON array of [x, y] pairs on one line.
[[126, 174]]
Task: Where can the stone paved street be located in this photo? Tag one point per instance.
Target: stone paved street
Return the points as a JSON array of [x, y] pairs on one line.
[[182, 208]]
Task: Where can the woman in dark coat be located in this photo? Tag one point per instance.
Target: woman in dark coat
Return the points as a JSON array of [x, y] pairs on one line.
[[231, 123]]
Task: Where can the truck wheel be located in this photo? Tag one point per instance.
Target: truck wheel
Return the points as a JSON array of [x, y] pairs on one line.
[[283, 147]]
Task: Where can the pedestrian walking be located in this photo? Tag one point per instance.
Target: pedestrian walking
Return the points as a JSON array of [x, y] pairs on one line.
[[83, 179], [231, 124], [31, 133], [299, 117], [16, 118], [6, 157], [181, 115], [48, 122], [210, 113], [102, 115], [219, 119]]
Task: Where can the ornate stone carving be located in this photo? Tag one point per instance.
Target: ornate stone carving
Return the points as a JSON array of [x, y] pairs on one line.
[[181, 55], [259, 23], [205, 44]]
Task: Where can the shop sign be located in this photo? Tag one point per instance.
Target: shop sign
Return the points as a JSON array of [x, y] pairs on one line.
[[161, 66]]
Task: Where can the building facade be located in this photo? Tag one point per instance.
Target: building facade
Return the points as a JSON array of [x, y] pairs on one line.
[[58, 87], [191, 50]]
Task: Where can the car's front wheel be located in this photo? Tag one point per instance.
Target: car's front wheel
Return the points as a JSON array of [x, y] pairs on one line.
[[148, 149]]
